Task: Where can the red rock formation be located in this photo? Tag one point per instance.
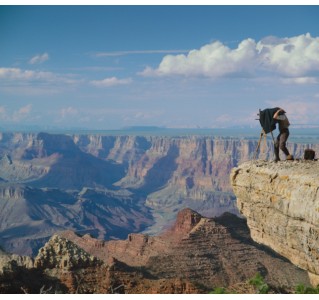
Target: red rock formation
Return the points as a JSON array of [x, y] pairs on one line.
[[194, 256], [186, 220], [197, 251]]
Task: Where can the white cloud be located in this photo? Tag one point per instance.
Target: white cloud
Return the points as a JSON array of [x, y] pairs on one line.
[[21, 113], [122, 53], [16, 74], [224, 119], [212, 60], [96, 69], [295, 56], [290, 57], [39, 59], [3, 113], [299, 111], [68, 111], [15, 116], [300, 80], [111, 81], [147, 115], [19, 74]]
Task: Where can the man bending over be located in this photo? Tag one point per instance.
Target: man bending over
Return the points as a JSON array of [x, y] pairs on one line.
[[280, 116]]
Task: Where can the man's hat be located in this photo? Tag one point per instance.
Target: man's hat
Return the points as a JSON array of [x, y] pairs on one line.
[[282, 112]]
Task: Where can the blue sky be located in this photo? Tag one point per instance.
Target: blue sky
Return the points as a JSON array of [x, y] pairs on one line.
[[108, 67]]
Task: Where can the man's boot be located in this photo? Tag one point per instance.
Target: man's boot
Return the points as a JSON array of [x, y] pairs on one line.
[[290, 157]]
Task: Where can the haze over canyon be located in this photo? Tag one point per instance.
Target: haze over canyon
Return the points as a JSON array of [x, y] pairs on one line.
[[110, 186]]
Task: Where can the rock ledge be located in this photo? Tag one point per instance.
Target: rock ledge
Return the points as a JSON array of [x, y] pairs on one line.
[[281, 204]]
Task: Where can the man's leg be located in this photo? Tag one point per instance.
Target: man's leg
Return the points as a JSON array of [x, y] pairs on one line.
[[276, 148], [282, 142]]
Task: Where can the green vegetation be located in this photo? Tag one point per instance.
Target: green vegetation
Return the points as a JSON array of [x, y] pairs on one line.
[[301, 289], [259, 283], [263, 288], [218, 290]]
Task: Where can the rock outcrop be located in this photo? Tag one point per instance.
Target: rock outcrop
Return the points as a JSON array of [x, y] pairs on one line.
[[60, 267], [204, 252], [59, 253], [194, 256], [281, 204], [18, 275]]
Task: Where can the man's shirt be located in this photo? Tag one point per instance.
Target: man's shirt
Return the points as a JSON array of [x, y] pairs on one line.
[[284, 122]]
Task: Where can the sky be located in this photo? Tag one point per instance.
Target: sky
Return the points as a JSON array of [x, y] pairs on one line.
[[111, 67]]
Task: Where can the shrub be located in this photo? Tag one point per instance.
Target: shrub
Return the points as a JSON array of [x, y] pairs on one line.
[[218, 290], [301, 289], [259, 284]]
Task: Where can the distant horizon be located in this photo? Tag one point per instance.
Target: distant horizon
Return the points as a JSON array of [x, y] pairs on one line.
[[256, 125], [144, 127], [308, 135]]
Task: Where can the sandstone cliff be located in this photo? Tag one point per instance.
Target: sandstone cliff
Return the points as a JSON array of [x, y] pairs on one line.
[[281, 204]]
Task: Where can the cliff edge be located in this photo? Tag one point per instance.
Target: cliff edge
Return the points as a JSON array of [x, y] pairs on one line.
[[281, 204]]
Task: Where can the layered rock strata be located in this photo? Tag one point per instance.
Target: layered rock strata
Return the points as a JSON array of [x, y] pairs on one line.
[[205, 252], [194, 256], [281, 204], [113, 185]]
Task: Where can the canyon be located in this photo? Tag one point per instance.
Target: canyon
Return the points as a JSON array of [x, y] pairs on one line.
[[94, 213], [112, 185]]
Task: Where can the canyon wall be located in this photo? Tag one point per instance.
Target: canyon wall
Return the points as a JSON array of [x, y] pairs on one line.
[[281, 204], [113, 185]]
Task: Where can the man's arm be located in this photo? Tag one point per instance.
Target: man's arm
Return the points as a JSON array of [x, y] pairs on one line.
[[276, 115]]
